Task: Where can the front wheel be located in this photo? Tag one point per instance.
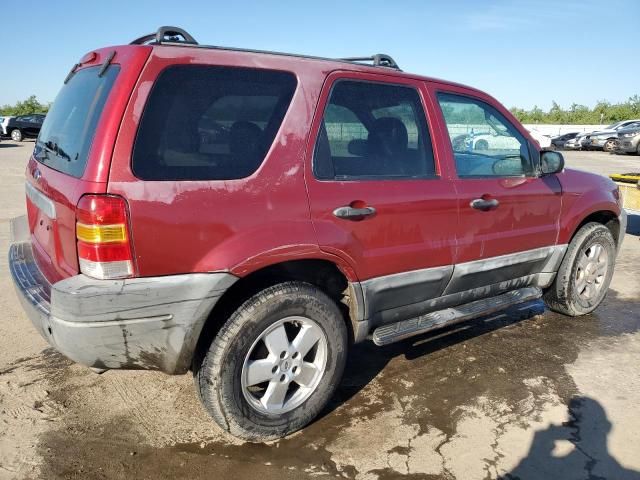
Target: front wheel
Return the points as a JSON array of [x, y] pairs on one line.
[[16, 135], [609, 146], [584, 276], [275, 363]]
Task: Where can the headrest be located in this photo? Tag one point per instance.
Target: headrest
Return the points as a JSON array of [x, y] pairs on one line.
[[388, 135]]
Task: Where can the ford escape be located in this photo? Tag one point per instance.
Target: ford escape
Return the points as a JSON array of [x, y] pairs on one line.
[[249, 215]]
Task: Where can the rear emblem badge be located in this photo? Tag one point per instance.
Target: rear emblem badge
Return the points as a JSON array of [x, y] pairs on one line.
[[36, 174]]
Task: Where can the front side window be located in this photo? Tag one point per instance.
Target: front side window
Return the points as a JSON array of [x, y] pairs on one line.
[[210, 123], [484, 143], [373, 130]]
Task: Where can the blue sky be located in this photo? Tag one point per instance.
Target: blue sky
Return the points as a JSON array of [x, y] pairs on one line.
[[524, 53]]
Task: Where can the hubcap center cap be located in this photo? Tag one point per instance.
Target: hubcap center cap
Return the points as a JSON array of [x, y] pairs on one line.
[[591, 272]]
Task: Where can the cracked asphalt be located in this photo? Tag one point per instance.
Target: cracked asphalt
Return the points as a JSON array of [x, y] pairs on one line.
[[522, 394]]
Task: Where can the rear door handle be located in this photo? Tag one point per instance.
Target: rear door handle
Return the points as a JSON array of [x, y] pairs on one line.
[[482, 204], [351, 213]]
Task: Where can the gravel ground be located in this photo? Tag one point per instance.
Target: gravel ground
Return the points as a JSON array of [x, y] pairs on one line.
[[522, 394]]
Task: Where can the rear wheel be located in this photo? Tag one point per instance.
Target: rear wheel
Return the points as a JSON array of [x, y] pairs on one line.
[[585, 273], [16, 135], [275, 363]]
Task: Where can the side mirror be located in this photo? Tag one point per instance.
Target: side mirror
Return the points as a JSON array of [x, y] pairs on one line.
[[551, 162]]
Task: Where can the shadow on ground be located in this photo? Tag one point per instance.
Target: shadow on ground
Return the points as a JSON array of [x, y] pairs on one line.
[[588, 429]]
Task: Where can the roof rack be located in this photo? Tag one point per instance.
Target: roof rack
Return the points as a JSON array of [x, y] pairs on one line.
[[164, 35], [378, 60], [177, 36]]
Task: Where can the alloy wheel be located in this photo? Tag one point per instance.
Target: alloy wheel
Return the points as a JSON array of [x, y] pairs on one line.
[[284, 365], [591, 271]]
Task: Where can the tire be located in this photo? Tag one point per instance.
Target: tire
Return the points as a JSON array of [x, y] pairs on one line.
[[16, 135], [609, 145], [222, 374], [581, 284]]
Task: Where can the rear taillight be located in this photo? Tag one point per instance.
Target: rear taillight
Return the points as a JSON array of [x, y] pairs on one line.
[[104, 243]]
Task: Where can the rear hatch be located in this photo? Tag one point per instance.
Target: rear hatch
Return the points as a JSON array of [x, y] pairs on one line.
[[72, 154]]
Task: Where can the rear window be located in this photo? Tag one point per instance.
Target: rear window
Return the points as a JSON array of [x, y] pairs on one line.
[[69, 127], [210, 123]]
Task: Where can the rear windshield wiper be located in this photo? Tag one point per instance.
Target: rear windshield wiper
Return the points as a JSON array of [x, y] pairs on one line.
[[52, 147]]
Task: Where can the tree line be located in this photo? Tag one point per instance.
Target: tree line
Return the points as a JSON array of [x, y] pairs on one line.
[[602, 112], [26, 107]]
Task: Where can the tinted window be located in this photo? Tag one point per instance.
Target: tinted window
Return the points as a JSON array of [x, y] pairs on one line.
[[484, 143], [69, 127], [210, 123], [373, 130]]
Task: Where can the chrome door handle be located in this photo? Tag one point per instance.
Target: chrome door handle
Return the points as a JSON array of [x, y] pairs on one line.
[[350, 213], [482, 204]]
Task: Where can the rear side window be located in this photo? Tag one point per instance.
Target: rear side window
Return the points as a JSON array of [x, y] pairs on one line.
[[68, 129], [373, 130], [210, 123]]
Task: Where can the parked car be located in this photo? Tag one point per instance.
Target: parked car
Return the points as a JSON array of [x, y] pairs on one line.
[[4, 120], [24, 126], [606, 139], [490, 139], [326, 214], [575, 143], [559, 141], [628, 140]]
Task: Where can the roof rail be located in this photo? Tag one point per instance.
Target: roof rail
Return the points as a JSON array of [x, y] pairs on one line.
[[164, 35], [177, 36], [378, 60]]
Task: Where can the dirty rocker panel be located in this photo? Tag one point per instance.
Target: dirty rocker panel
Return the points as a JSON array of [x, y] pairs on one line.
[[407, 328], [416, 293]]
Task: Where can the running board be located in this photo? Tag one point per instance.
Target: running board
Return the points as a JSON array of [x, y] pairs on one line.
[[395, 332]]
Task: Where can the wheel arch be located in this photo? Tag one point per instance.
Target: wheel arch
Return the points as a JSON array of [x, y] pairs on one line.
[[322, 273], [608, 218]]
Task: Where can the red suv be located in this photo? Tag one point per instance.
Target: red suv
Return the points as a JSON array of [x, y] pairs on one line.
[[248, 215]]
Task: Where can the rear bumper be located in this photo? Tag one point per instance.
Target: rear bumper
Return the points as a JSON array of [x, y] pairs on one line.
[[144, 323]]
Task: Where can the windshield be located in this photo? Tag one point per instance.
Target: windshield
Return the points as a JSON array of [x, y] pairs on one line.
[[68, 129], [614, 125]]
